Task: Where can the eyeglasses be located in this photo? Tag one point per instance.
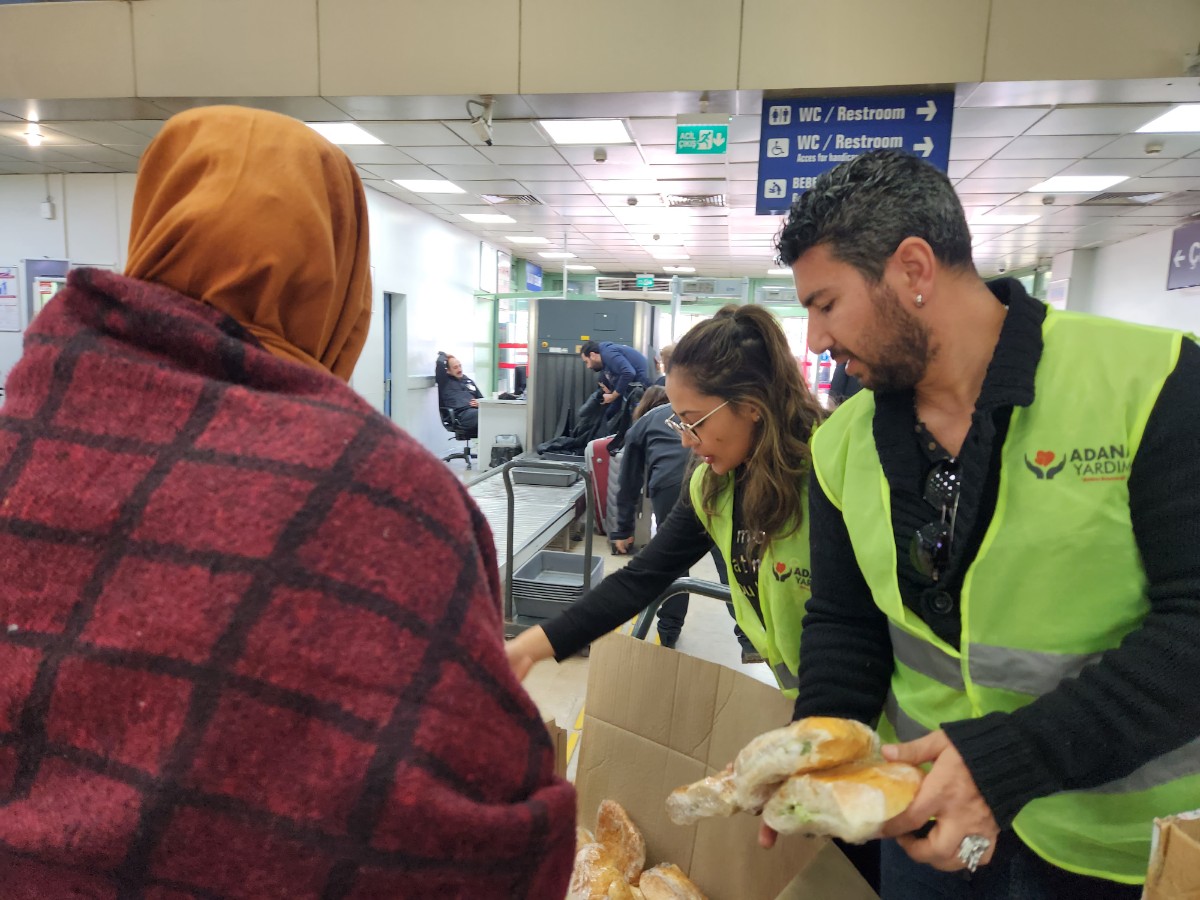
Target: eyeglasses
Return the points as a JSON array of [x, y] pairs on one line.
[[932, 543], [690, 430]]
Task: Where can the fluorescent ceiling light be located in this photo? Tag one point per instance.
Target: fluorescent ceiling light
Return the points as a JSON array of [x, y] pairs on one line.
[[1077, 184], [582, 268], [487, 217], [429, 186], [586, 131], [1000, 219], [670, 253], [343, 133], [526, 239], [33, 137], [1181, 118], [557, 254], [779, 271], [679, 270]]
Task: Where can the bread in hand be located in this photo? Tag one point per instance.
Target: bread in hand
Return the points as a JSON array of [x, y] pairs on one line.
[[708, 797], [818, 742], [851, 802]]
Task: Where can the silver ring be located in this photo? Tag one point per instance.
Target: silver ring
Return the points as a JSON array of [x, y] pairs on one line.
[[971, 850]]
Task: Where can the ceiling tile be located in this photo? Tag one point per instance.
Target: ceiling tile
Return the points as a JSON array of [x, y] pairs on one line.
[[1020, 168], [448, 156], [381, 154], [474, 173], [96, 132], [41, 155], [979, 122], [145, 127], [81, 167], [556, 187], [1096, 119], [386, 171], [17, 167], [1055, 146], [607, 172], [1189, 168], [523, 156], [412, 134], [653, 131], [1129, 167], [618, 155], [1131, 146], [976, 148], [745, 129], [961, 168], [995, 185], [504, 134]]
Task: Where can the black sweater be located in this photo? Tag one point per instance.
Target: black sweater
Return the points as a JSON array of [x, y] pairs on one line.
[[1140, 701]]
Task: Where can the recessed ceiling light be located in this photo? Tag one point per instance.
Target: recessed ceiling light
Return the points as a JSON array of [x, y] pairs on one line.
[[343, 133], [526, 239], [582, 268], [487, 217], [779, 271], [670, 253], [680, 270], [586, 131], [1000, 219], [1077, 184], [33, 137], [1182, 118], [429, 186], [557, 254]]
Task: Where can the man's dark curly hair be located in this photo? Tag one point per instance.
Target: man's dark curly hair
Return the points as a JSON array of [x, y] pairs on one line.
[[864, 208]]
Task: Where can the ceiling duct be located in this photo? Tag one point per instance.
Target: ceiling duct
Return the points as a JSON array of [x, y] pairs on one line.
[[694, 200], [511, 199], [1132, 198]]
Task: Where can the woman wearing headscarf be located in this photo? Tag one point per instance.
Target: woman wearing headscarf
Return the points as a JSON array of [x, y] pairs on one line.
[[249, 631]]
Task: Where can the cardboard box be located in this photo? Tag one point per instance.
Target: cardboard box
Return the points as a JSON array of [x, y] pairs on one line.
[[558, 737], [656, 719], [1175, 859]]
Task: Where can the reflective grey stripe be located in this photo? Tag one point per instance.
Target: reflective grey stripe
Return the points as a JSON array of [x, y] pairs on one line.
[[1179, 763], [1024, 671], [907, 728], [922, 656], [787, 681]]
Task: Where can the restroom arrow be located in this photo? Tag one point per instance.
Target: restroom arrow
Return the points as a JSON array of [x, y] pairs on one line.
[[925, 146], [929, 110]]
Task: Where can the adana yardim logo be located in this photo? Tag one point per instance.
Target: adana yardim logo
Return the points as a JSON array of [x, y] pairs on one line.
[[782, 572], [1043, 464]]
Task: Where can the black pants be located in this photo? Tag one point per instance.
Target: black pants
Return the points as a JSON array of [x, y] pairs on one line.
[[468, 419], [673, 610]]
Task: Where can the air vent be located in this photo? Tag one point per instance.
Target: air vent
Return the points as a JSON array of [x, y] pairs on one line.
[[512, 199], [1128, 198], [694, 200], [606, 283]]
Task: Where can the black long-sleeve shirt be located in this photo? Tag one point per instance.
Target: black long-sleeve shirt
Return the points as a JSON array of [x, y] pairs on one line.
[[653, 455], [1140, 701]]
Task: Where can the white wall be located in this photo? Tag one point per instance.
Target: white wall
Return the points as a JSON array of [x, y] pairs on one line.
[[1128, 281], [435, 265]]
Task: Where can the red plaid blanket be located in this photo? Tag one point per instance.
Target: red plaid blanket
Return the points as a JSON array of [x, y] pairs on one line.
[[249, 632]]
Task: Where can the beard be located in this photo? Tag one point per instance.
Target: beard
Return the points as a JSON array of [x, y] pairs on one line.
[[899, 351]]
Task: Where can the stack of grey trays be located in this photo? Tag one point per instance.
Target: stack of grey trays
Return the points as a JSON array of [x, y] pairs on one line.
[[550, 582]]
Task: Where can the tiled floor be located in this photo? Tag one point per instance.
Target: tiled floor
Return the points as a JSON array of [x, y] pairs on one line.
[[559, 688]]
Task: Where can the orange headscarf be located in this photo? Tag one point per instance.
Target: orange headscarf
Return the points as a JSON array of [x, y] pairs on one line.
[[256, 214]]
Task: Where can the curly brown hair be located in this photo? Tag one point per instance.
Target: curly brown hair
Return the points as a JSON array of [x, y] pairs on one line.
[[741, 355]]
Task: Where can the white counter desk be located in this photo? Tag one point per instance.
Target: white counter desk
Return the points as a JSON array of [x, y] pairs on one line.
[[500, 417]]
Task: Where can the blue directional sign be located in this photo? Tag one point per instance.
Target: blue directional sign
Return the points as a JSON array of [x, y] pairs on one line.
[[1184, 269], [805, 136]]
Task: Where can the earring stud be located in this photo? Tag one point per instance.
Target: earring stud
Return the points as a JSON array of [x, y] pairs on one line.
[[920, 301]]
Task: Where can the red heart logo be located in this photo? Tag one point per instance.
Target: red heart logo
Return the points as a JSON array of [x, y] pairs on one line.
[[780, 568], [1044, 458]]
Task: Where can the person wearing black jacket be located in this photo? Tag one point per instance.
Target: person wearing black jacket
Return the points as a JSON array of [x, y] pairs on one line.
[[882, 259], [457, 392]]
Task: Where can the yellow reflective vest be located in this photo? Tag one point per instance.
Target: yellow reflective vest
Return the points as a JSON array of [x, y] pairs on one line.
[[784, 583], [1056, 582]]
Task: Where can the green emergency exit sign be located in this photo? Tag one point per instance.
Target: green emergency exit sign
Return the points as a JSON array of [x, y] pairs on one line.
[[702, 139], [645, 281]]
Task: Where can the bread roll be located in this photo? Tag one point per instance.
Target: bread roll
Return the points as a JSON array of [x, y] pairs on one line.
[[818, 742], [625, 844], [850, 802], [582, 837], [595, 877], [667, 882], [712, 796]]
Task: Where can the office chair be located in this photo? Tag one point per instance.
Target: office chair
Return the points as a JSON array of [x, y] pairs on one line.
[[450, 423]]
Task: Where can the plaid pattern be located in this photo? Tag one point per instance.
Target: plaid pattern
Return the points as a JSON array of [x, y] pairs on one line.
[[249, 633]]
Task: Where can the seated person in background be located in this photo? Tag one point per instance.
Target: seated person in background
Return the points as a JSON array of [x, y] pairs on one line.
[[664, 363], [251, 641], [457, 392], [654, 457], [621, 367]]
